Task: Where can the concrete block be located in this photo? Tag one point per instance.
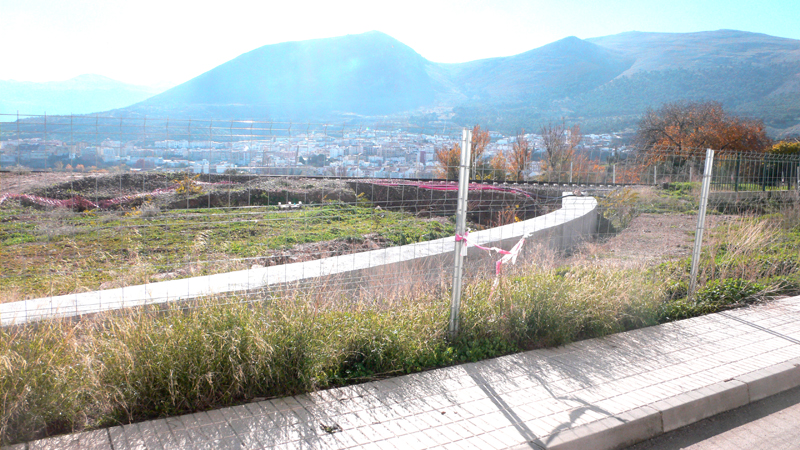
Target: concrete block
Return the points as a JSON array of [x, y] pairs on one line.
[[697, 405], [118, 440], [22, 446], [90, 440], [771, 380]]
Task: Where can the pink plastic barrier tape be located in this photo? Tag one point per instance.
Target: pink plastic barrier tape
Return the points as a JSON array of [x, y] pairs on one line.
[[508, 255], [452, 186], [468, 243]]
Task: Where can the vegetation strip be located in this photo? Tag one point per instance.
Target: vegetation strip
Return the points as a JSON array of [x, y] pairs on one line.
[[60, 252]]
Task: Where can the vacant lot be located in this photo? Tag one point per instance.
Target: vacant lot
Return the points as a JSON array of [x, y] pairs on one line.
[[59, 251]]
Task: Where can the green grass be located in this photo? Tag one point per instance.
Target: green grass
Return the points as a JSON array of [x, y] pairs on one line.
[[60, 252], [750, 187]]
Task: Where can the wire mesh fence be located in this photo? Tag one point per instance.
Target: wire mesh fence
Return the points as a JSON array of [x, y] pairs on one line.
[[244, 260], [101, 213]]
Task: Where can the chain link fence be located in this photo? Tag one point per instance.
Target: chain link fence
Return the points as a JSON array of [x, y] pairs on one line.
[[103, 213]]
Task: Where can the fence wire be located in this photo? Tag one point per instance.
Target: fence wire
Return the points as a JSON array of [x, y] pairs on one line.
[[101, 213]]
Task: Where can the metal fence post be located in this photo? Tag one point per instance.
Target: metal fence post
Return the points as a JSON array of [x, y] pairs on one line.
[[570, 172], [614, 174], [701, 220], [461, 219]]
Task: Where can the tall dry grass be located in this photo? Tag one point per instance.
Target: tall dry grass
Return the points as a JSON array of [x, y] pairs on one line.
[[60, 376]]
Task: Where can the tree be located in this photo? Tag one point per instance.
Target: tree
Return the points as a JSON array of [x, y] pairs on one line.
[[449, 158], [520, 156], [691, 127], [559, 146], [499, 165], [786, 148]]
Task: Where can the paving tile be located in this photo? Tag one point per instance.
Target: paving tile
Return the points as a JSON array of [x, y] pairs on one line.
[[486, 441], [131, 435]]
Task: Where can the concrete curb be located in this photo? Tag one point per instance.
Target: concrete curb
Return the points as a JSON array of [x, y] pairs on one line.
[[647, 422]]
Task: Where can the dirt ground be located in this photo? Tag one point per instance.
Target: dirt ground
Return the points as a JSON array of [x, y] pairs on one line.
[[650, 239], [15, 183]]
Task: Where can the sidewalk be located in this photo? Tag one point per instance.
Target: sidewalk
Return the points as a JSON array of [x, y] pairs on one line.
[[595, 394]]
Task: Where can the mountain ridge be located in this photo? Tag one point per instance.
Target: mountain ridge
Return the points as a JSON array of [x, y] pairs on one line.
[[604, 83]]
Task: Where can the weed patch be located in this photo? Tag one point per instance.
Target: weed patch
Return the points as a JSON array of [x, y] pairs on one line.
[[60, 252]]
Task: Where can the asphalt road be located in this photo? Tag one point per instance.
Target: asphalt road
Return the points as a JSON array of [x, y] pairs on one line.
[[772, 423]]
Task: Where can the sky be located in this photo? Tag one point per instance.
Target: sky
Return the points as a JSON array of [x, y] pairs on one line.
[[164, 43]]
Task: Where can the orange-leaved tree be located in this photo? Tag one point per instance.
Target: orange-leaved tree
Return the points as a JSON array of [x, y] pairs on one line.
[[499, 167], [688, 128], [449, 157], [520, 157]]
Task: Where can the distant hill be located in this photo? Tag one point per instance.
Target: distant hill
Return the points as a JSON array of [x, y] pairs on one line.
[[751, 74], [604, 83], [566, 67], [366, 74], [80, 95]]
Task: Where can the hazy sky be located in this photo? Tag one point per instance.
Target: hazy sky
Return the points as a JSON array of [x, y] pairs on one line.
[[168, 42]]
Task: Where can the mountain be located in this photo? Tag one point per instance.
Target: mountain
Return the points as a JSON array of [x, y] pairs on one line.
[[367, 74], [751, 74], [663, 51], [80, 95], [603, 83], [566, 67]]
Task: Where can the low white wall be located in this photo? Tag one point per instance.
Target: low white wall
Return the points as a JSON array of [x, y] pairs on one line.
[[561, 229]]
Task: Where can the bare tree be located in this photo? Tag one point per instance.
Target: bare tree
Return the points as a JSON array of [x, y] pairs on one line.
[[559, 143], [449, 157]]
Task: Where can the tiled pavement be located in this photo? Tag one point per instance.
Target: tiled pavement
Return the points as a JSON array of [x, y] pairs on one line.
[[599, 393]]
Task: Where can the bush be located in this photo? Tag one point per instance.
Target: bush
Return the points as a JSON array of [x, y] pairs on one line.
[[715, 296], [619, 207], [786, 148], [730, 291]]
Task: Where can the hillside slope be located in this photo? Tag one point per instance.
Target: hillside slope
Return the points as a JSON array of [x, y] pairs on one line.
[[369, 74]]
